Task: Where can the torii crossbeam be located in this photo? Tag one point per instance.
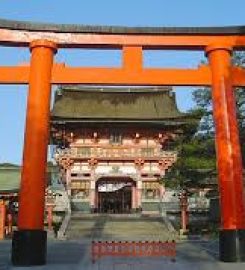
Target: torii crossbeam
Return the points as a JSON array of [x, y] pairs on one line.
[[29, 242]]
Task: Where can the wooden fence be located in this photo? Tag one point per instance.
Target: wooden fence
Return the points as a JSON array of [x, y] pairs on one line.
[[133, 249]]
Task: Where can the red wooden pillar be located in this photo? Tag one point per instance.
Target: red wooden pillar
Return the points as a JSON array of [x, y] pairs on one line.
[[29, 242], [229, 161], [50, 217], [133, 198], [92, 199], [183, 208], [9, 224], [139, 195], [2, 219]]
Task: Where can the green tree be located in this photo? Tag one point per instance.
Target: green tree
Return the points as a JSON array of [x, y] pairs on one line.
[[203, 100], [196, 160], [196, 156]]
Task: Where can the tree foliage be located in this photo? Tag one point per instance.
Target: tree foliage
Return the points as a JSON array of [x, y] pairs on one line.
[[196, 160], [203, 100]]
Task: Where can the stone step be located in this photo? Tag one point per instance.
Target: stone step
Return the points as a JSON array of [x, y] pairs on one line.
[[110, 227], [136, 217]]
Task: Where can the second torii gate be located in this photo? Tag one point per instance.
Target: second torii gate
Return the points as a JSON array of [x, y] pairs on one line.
[[29, 242]]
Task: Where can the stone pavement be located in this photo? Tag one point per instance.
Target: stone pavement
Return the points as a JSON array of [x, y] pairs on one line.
[[74, 253], [201, 255]]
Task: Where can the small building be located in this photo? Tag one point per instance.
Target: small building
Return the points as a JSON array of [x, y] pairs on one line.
[[9, 183], [113, 145], [10, 176]]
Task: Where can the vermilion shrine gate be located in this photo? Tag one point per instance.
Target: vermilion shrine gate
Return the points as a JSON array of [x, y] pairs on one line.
[[29, 242]]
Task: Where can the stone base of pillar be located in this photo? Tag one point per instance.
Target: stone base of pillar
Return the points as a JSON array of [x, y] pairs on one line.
[[29, 248], [232, 245]]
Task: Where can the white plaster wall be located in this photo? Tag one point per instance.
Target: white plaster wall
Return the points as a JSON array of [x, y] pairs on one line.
[[85, 167], [80, 168], [128, 169], [76, 167], [143, 142], [79, 141], [152, 143], [128, 141], [125, 169], [103, 141], [103, 169], [153, 168]]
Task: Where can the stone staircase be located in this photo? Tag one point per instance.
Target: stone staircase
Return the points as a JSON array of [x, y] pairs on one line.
[[118, 228]]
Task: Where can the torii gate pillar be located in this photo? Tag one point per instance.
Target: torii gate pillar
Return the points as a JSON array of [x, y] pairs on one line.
[[229, 160], [29, 242]]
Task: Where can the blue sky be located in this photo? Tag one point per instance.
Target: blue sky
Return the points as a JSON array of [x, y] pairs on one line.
[[106, 12]]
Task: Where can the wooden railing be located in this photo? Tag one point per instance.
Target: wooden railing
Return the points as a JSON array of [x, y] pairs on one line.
[[133, 249]]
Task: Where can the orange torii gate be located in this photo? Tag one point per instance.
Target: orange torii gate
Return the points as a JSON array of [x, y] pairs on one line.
[[29, 242]]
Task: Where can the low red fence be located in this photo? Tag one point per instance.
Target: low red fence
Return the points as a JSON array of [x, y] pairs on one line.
[[133, 249]]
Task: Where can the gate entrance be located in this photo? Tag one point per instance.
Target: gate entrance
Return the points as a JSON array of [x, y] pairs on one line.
[[114, 197], [115, 202]]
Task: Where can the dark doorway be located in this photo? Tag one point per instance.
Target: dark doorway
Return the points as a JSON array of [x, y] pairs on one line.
[[115, 202]]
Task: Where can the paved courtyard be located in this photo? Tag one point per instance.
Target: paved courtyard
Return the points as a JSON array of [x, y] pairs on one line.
[[74, 253]]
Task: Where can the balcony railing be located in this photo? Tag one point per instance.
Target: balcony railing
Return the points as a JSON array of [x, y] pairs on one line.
[[110, 153]]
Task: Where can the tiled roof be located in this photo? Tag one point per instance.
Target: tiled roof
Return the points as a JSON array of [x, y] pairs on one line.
[[86, 103], [9, 179]]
